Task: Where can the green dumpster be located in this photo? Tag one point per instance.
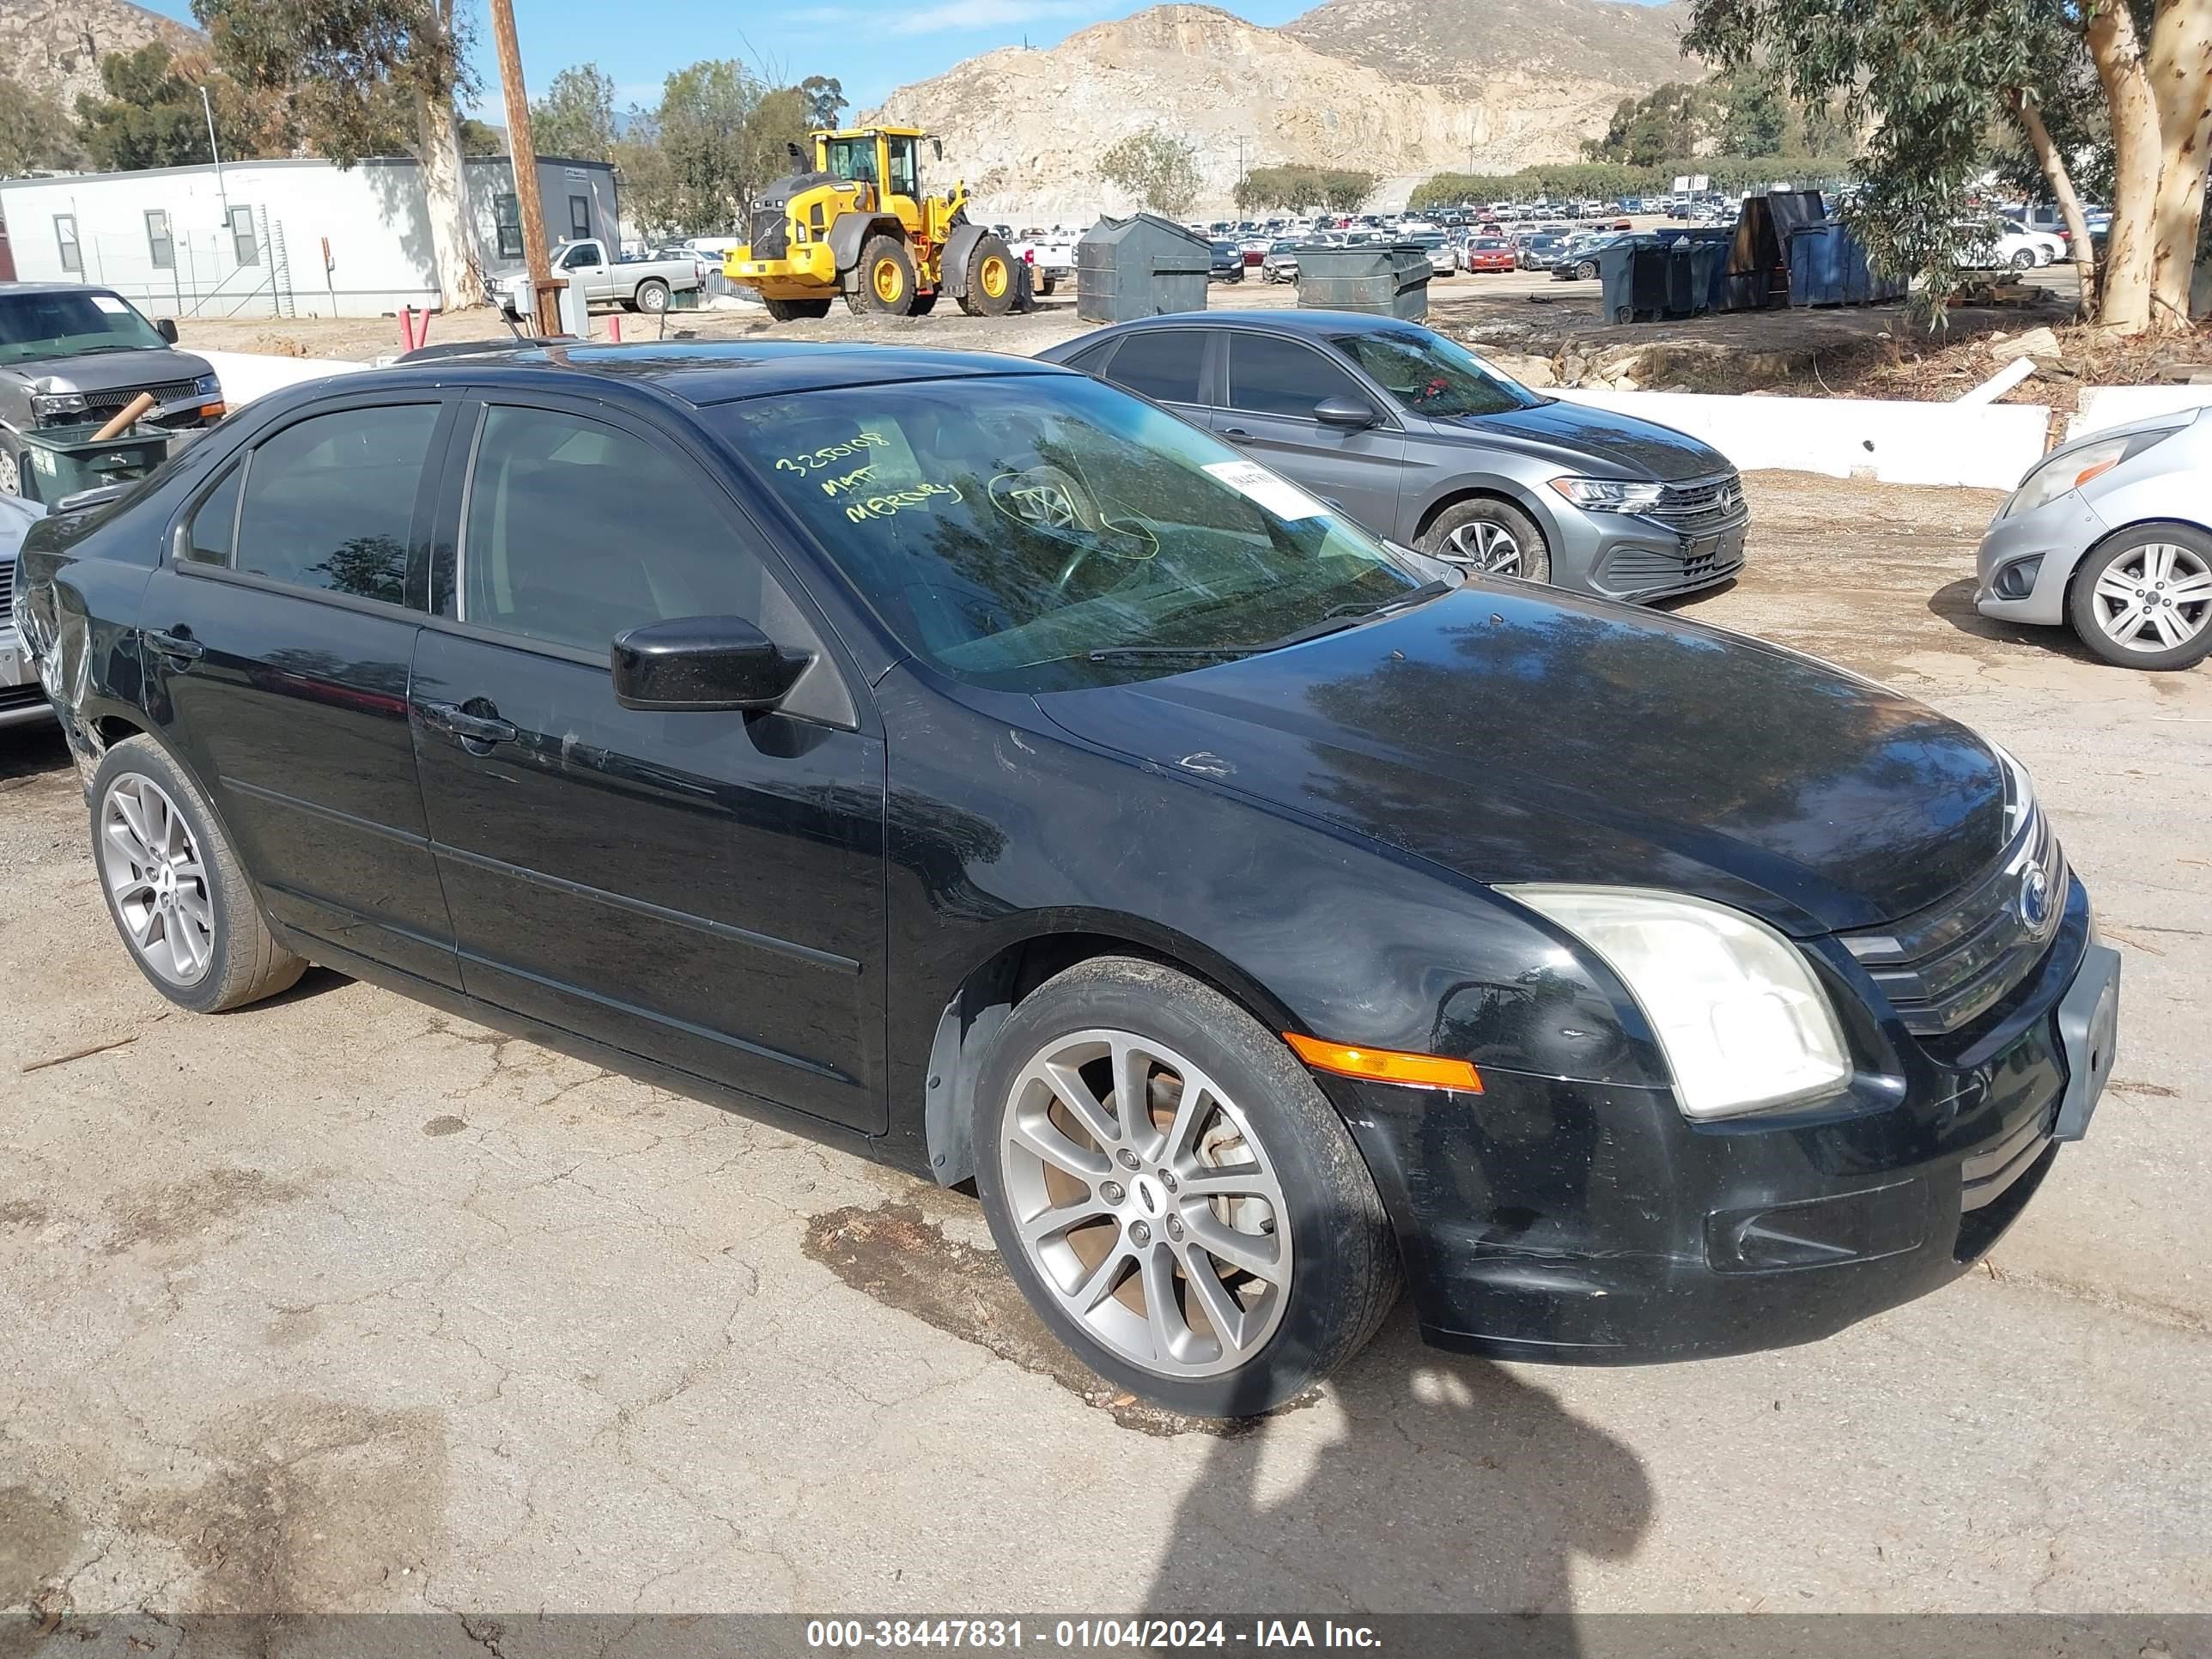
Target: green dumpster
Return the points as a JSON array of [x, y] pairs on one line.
[[59, 461]]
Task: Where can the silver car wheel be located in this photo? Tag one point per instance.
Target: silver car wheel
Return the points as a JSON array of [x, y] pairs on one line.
[[1484, 546], [157, 880], [2158, 597], [1145, 1204], [11, 473]]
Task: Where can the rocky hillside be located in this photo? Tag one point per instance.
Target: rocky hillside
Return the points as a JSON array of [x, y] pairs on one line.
[[1398, 88], [54, 46]]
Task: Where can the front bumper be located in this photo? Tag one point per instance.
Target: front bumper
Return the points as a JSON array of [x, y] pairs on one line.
[[1593, 1224], [1618, 555], [2056, 534]]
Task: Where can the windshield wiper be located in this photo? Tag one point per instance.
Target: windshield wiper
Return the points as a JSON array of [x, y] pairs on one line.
[[1335, 622]]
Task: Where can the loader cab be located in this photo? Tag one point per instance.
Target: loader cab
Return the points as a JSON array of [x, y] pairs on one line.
[[885, 161]]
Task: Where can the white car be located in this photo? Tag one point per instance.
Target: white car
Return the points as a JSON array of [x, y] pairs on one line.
[[2046, 245], [1998, 249], [1050, 257]]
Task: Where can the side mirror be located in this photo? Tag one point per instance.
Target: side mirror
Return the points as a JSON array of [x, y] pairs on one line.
[[1353, 413], [702, 663], [167, 328]]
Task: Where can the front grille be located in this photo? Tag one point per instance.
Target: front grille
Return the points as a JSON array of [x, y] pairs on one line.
[[1701, 506], [771, 233], [7, 590], [1955, 961], [106, 403], [1643, 569]]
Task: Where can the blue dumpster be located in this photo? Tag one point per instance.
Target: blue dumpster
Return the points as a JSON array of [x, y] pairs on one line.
[[1828, 267]]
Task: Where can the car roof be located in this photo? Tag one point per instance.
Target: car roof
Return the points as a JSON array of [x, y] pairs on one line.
[[1307, 324], [7, 289], [703, 373]]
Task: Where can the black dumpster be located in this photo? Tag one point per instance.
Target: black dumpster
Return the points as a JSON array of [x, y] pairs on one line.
[[1382, 279], [1626, 269], [1141, 266]]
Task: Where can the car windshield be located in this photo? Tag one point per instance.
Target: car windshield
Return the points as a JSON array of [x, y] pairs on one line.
[[1037, 533], [1433, 376], [1224, 247], [1490, 244], [70, 324]]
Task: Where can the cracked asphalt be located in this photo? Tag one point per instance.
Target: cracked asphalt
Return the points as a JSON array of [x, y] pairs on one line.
[[339, 1304]]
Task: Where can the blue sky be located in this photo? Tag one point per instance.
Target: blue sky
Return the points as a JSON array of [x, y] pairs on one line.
[[871, 46]]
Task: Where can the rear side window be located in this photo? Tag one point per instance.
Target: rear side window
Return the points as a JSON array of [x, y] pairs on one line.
[[215, 523], [577, 530], [1269, 375], [1163, 365], [330, 502]]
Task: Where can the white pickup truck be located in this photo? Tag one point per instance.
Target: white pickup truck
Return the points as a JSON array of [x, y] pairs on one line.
[[633, 284], [1050, 256]]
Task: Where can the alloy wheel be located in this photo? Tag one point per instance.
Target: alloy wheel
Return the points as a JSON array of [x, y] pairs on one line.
[[2157, 597], [157, 879], [1145, 1204], [1479, 544], [11, 472]]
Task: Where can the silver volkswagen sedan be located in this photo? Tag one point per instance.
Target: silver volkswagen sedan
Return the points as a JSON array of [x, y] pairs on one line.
[[2112, 536]]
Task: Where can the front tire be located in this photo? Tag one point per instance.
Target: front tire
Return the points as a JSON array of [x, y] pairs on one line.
[[1487, 537], [175, 888], [887, 281], [792, 311], [2023, 259], [2144, 599], [11, 471], [1174, 1194]]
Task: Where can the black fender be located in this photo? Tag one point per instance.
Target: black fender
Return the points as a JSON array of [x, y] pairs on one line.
[[952, 266], [849, 234]]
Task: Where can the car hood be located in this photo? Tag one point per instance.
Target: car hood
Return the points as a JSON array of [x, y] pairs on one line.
[[1577, 433], [1510, 735], [110, 371]]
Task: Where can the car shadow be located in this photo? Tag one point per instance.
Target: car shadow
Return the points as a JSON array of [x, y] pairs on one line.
[[1683, 601], [32, 752], [1451, 1485], [1953, 602]]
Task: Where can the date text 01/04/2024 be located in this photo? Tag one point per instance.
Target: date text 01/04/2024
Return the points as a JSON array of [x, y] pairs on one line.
[[852, 1635]]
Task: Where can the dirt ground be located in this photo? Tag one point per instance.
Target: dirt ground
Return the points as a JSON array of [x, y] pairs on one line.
[[337, 1304]]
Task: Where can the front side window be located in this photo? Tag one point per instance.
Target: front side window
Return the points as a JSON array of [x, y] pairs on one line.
[[64, 323], [245, 246], [853, 159], [65, 236], [330, 502], [904, 179], [507, 215], [159, 246], [577, 257], [1270, 375], [577, 530], [1163, 364], [1026, 533], [1433, 376]]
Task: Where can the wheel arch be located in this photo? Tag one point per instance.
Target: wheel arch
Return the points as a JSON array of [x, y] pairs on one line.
[[850, 233], [995, 986], [1492, 490], [2149, 521]]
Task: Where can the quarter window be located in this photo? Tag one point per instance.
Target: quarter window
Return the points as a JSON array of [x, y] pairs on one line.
[[65, 235], [1270, 375], [215, 523], [159, 246], [330, 502], [1162, 364], [577, 530]]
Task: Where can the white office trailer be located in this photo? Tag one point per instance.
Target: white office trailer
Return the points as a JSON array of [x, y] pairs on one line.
[[291, 238]]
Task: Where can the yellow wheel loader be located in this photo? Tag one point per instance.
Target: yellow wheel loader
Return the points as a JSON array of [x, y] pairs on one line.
[[858, 225]]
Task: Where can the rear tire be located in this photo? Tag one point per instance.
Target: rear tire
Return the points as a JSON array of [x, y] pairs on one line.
[[1293, 1196], [989, 289], [1488, 536], [11, 471], [652, 296], [175, 888], [1046, 284], [2122, 590], [793, 311]]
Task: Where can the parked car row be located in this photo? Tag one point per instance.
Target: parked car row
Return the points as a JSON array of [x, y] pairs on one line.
[[972, 764]]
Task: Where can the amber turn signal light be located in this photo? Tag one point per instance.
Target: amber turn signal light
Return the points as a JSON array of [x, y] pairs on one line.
[[1386, 1065]]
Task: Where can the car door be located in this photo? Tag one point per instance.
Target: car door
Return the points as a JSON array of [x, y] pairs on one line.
[[705, 889], [278, 631], [585, 263], [1274, 384], [1171, 366]]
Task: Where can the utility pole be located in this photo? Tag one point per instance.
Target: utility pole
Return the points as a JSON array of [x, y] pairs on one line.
[[523, 156], [207, 109]]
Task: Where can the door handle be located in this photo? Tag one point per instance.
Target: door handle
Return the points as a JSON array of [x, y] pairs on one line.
[[471, 728], [177, 644], [1234, 432]]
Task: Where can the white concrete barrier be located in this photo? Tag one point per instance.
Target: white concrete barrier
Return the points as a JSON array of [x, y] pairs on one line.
[[2102, 406], [247, 375], [1985, 447]]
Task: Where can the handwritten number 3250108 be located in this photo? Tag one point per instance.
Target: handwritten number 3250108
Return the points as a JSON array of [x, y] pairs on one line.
[[814, 461]]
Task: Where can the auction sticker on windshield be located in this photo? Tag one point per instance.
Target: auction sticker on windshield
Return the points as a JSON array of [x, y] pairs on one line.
[[1278, 495]]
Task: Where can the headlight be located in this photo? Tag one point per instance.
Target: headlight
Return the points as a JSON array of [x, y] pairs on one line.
[[56, 405], [2072, 468], [208, 386], [1610, 495], [1744, 1025]]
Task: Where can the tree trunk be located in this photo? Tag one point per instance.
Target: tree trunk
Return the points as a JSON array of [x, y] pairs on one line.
[[2055, 174], [452, 247], [2180, 67], [2115, 49]]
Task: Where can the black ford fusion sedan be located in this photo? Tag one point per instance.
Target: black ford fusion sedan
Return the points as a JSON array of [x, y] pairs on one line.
[[960, 758]]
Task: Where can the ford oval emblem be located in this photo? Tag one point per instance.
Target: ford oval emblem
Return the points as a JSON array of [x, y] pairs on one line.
[[2034, 898]]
